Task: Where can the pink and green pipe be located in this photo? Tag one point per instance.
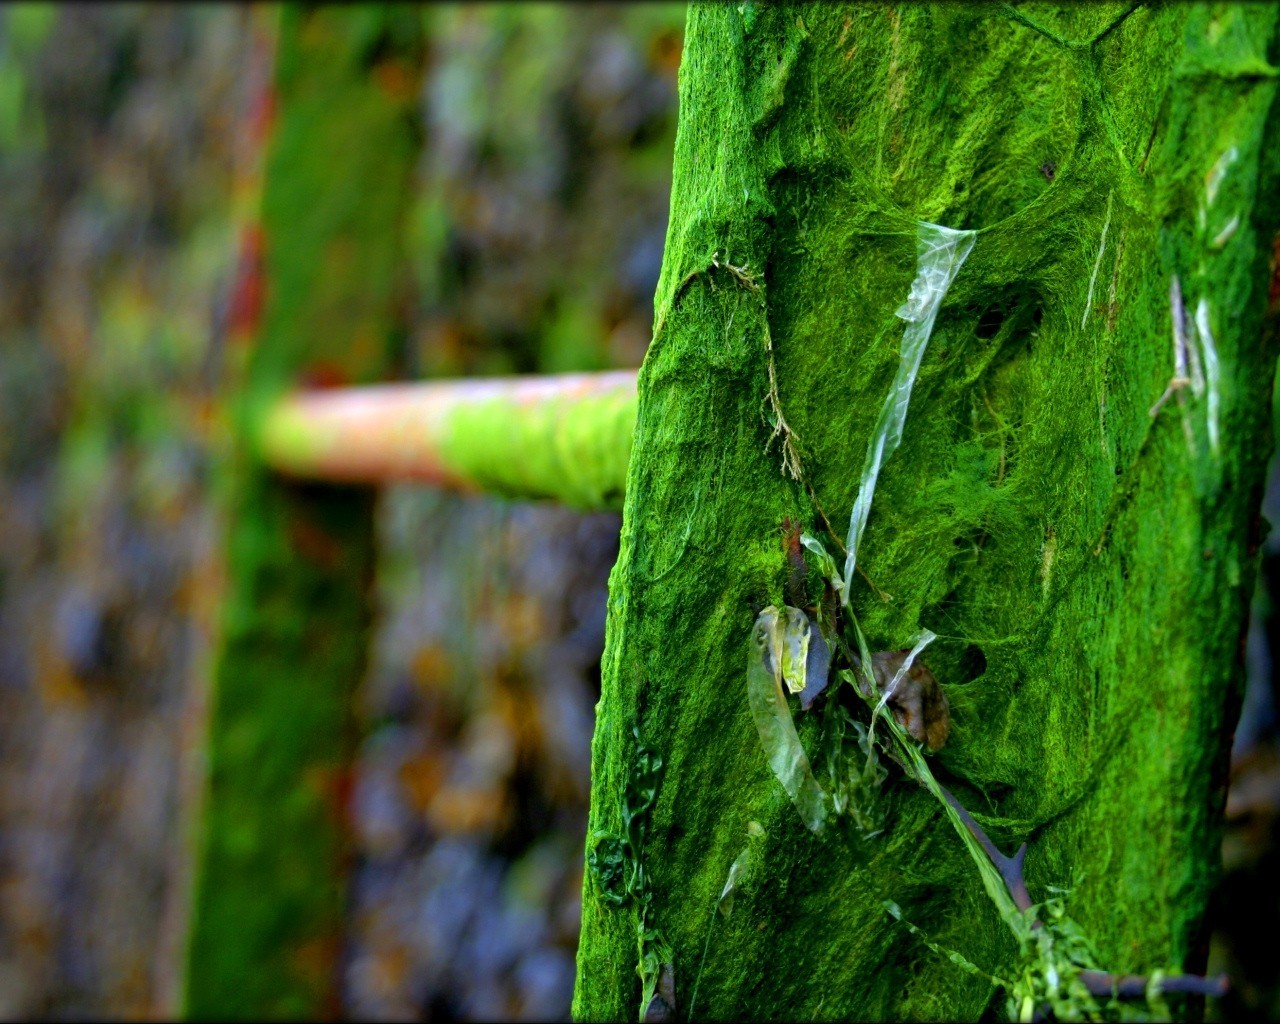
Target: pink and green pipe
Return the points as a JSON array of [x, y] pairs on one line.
[[565, 437]]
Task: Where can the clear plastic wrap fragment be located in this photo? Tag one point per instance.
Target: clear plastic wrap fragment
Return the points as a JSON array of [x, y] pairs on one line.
[[940, 252], [737, 872], [795, 648], [1212, 370], [826, 564], [1186, 357], [1097, 265], [853, 771], [769, 710], [1213, 180]]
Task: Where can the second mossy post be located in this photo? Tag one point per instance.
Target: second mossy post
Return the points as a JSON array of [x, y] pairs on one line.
[[1084, 363], [341, 148]]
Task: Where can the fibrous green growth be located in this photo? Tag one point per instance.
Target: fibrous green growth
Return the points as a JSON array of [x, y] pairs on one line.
[[616, 863], [1083, 564], [1057, 968]]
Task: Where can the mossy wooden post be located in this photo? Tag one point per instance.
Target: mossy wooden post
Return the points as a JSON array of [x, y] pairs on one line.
[[268, 903], [1085, 563]]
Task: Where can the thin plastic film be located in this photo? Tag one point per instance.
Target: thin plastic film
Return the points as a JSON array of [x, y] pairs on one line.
[[737, 872], [1212, 370], [826, 564], [778, 736], [940, 252], [1097, 265]]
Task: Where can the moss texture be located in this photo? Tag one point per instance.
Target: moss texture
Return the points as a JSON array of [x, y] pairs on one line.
[[575, 451], [1085, 564], [268, 903]]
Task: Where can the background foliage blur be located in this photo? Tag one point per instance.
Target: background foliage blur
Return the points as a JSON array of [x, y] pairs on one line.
[[537, 240]]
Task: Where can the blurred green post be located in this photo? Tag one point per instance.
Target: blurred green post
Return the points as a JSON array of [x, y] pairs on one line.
[[318, 302]]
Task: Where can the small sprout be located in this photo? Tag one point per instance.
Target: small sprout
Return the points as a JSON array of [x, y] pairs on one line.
[[739, 870], [1212, 371], [1186, 360], [826, 564]]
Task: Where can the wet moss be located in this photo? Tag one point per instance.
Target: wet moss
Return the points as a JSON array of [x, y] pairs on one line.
[[1098, 558]]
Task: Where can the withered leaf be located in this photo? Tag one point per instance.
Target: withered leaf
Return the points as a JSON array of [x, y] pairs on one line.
[[918, 702], [817, 668], [662, 1007]]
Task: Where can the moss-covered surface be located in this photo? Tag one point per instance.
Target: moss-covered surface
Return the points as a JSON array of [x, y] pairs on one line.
[[1085, 564], [575, 451], [568, 438], [269, 894]]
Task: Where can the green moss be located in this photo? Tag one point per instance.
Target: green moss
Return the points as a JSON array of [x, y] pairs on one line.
[[575, 451], [268, 901], [1085, 565]]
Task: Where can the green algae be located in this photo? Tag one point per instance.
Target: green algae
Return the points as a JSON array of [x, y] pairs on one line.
[[268, 899], [575, 451], [616, 863], [1085, 567]]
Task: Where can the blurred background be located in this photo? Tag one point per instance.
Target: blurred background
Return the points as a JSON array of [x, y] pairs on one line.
[[537, 233]]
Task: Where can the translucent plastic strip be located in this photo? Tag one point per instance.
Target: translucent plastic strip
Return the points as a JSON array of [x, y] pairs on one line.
[[1097, 265], [940, 252], [773, 721], [1212, 370]]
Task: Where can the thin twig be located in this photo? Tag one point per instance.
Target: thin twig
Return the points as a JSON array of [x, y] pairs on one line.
[[1099, 983], [1010, 868]]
